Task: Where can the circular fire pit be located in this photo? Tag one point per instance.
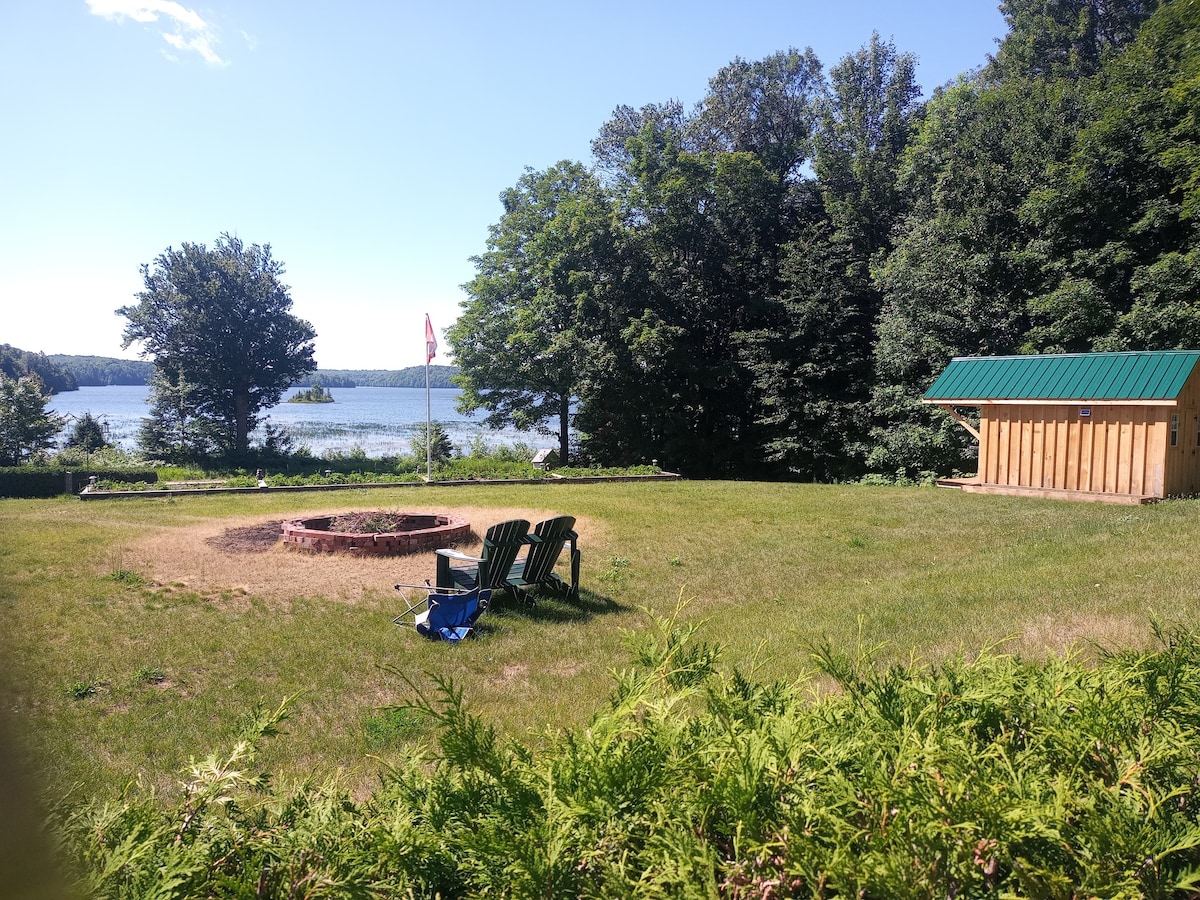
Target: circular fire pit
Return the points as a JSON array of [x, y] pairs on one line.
[[406, 533]]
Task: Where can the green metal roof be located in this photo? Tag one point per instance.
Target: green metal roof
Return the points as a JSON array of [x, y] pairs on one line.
[[1149, 375]]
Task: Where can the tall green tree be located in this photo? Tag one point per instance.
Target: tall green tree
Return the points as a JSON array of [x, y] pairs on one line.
[[1066, 38], [981, 265], [766, 107], [220, 319], [706, 203], [26, 427], [705, 231], [520, 340], [1118, 223], [813, 362]]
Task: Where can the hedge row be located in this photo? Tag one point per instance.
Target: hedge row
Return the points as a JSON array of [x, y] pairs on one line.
[[27, 481]]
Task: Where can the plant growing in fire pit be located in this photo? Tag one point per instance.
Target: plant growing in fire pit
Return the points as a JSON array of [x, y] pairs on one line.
[[377, 522]]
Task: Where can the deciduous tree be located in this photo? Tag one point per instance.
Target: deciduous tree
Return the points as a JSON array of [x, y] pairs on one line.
[[219, 319], [519, 341]]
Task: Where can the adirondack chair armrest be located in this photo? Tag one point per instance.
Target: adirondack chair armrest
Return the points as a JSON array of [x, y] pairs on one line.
[[457, 555]]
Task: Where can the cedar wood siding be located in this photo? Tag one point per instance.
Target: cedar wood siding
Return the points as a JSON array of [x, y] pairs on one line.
[[1118, 449]]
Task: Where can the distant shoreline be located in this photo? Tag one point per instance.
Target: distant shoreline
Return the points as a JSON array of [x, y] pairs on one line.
[[103, 371]]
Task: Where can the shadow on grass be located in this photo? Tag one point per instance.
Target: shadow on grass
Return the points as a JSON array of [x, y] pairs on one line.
[[553, 608]]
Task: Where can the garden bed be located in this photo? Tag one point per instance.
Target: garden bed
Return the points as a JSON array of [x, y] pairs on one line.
[[90, 493]]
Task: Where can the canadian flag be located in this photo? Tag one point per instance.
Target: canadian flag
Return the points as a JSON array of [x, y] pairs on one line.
[[430, 341]]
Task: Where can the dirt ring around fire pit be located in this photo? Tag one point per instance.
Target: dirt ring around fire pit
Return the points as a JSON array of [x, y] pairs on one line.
[[405, 533]]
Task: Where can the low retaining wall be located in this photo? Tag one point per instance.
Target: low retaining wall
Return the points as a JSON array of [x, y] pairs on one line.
[[89, 494], [426, 533]]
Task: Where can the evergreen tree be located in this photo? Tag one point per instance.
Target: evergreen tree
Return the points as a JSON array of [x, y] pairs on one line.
[[26, 428], [87, 434]]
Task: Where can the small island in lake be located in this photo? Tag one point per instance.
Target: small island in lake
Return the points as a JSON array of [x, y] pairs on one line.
[[314, 394]]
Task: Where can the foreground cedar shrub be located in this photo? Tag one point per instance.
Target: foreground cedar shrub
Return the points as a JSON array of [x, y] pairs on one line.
[[983, 777]]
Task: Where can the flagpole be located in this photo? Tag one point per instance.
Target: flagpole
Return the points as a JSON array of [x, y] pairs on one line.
[[428, 427], [430, 351]]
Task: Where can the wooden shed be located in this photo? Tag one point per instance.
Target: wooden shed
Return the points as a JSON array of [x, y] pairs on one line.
[[1115, 427]]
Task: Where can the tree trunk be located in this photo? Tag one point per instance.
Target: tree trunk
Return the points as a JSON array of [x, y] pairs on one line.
[[241, 423], [564, 421]]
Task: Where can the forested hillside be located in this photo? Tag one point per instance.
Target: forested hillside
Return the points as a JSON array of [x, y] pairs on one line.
[[16, 363], [765, 285], [410, 377], [92, 371]]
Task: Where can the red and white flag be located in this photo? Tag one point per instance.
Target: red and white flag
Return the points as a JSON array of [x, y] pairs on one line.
[[430, 341]]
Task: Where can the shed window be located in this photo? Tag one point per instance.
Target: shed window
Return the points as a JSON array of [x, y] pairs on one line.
[[1174, 429]]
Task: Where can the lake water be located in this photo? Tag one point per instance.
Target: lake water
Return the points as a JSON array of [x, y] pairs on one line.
[[379, 420]]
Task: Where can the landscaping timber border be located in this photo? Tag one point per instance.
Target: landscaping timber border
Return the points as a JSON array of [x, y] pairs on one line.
[[89, 494]]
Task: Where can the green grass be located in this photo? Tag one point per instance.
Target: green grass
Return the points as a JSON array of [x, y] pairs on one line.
[[110, 677]]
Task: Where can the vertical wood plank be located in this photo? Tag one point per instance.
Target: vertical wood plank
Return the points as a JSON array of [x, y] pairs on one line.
[[1037, 451], [1137, 471], [1002, 446], [1072, 483], [1087, 435], [993, 446], [1026, 451], [1156, 453], [1060, 445], [1124, 449], [1112, 442]]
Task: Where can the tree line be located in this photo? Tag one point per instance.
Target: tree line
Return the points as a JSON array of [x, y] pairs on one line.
[[764, 285], [54, 377], [101, 371]]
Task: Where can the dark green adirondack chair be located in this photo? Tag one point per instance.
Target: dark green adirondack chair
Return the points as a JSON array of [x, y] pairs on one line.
[[536, 568], [490, 569]]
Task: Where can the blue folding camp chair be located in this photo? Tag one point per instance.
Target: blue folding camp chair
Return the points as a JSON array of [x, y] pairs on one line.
[[448, 614]]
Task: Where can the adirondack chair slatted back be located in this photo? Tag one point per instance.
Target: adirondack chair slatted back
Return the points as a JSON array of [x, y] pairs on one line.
[[501, 545], [489, 570], [545, 547]]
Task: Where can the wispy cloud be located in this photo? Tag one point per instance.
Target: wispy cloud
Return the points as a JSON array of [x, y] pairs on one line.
[[183, 28]]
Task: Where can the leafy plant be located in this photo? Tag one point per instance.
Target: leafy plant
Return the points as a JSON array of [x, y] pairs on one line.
[[81, 690], [126, 577], [614, 576], [148, 675]]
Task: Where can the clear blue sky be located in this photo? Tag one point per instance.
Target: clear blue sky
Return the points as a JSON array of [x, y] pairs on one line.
[[367, 142]]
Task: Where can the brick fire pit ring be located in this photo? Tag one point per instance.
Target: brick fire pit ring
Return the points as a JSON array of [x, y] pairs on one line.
[[415, 533]]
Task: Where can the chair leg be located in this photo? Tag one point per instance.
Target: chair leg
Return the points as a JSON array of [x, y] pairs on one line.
[[573, 593]]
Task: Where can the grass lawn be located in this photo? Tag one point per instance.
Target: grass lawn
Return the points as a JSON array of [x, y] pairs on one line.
[[131, 645]]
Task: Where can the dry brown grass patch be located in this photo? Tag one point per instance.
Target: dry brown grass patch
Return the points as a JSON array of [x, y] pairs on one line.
[[224, 560], [1057, 634]]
